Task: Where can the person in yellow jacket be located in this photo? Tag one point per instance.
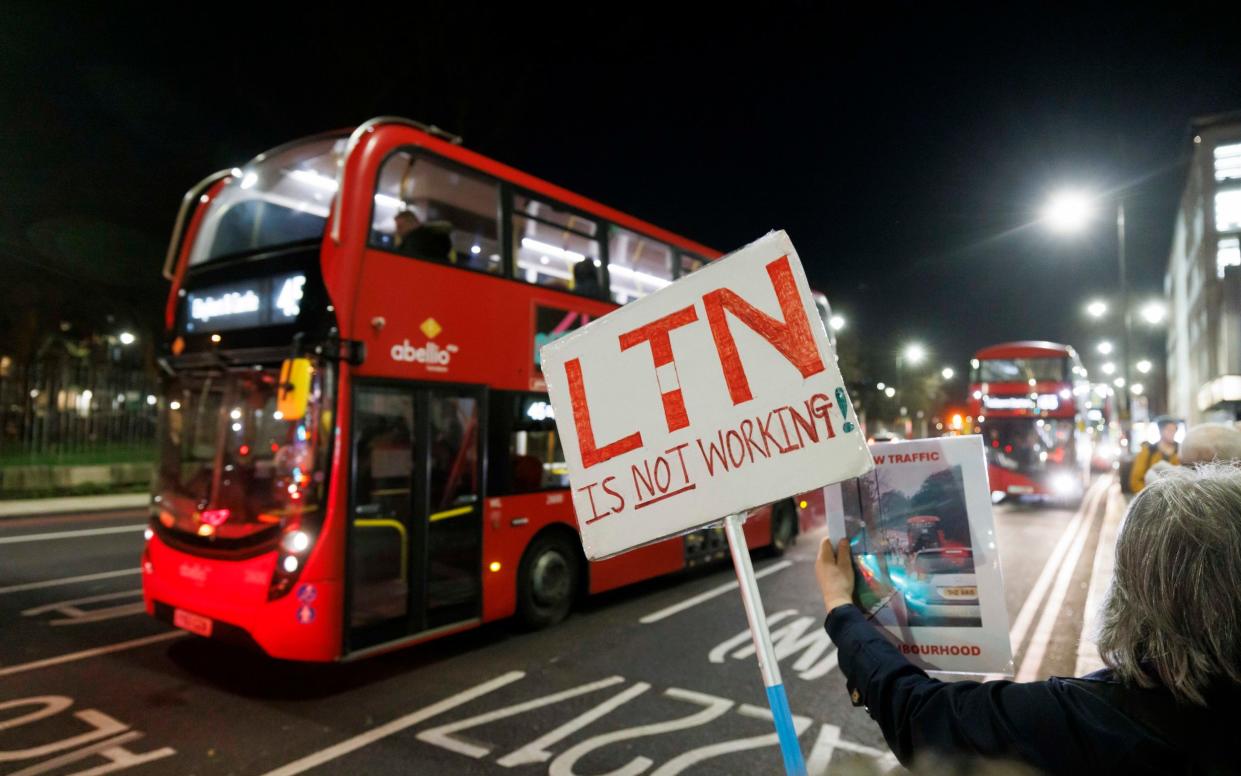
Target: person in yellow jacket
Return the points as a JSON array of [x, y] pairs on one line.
[[1164, 450]]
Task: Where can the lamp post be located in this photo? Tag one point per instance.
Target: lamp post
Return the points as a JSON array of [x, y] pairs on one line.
[[1068, 212]]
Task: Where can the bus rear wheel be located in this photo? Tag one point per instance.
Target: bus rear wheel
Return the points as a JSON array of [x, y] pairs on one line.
[[783, 526], [547, 581]]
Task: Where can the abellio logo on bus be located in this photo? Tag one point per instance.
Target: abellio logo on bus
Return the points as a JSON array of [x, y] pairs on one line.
[[430, 354]]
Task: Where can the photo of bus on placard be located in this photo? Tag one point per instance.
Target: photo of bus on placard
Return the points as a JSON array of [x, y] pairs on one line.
[[926, 565]]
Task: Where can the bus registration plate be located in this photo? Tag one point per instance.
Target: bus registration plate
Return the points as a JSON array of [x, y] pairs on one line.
[[959, 592], [194, 623]]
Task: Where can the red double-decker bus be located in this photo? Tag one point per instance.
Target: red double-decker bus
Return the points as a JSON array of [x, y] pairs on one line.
[[358, 452], [1029, 401]]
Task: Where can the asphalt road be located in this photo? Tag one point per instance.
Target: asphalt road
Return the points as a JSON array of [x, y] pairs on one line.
[[659, 678]]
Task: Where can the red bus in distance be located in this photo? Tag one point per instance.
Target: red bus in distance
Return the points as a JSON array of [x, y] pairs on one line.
[[1028, 400], [357, 450]]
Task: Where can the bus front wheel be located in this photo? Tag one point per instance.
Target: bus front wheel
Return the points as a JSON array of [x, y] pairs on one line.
[[547, 581], [783, 526]]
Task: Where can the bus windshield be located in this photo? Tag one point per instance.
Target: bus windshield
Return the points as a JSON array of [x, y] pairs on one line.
[[1026, 443], [1019, 370], [279, 198], [233, 471]]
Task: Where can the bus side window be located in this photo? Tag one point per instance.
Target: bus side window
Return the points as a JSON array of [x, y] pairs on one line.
[[556, 248], [637, 265], [527, 456], [691, 263], [430, 210]]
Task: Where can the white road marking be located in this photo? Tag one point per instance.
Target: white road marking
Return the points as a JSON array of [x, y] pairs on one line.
[[88, 653], [44, 537], [67, 581], [441, 736], [71, 606], [395, 726], [1100, 579], [1039, 642], [687, 760], [537, 751], [1021, 625], [690, 603]]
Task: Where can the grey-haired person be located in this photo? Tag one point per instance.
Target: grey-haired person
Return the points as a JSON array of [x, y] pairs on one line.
[[1170, 635]]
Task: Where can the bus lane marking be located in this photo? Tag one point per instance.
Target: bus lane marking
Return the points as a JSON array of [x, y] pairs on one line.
[[442, 736], [116, 736], [45, 537], [67, 581], [395, 726], [690, 603], [711, 708], [89, 653], [804, 635], [74, 615]]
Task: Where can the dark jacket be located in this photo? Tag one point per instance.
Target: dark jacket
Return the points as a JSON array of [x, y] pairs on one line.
[[1091, 725]]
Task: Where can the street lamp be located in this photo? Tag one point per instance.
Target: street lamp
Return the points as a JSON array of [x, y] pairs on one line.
[[1109, 368], [948, 373], [889, 392], [1144, 367], [1105, 348], [914, 353], [881, 386], [1154, 313], [1068, 211], [837, 322], [1137, 389], [126, 338], [1097, 308]]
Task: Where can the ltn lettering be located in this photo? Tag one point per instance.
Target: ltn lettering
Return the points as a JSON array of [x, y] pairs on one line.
[[792, 337]]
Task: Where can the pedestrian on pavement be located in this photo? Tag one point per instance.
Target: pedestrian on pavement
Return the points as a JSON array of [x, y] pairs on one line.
[[1150, 454], [1170, 636]]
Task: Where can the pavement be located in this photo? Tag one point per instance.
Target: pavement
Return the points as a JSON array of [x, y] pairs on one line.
[[72, 504], [657, 678]]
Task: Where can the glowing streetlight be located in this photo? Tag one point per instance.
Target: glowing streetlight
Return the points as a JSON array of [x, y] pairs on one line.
[[1068, 211], [127, 338], [915, 354], [1154, 313], [1119, 382], [1105, 348], [948, 373], [1144, 367], [889, 392], [1109, 368], [1136, 389], [1097, 308], [881, 386], [837, 322]]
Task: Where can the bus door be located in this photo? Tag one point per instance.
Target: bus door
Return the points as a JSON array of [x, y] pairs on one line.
[[415, 534]]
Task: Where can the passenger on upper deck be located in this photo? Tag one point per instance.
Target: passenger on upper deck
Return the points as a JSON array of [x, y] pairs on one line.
[[420, 240]]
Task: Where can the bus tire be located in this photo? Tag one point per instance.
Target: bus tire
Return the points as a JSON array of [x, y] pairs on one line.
[[547, 581], [783, 526]]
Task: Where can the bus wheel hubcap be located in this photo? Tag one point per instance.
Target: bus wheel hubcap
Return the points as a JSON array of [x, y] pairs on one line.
[[550, 578]]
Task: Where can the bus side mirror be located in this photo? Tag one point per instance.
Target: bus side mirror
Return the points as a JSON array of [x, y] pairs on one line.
[[294, 392]]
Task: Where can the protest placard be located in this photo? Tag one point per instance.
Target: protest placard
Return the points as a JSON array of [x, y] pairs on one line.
[[717, 394], [923, 539]]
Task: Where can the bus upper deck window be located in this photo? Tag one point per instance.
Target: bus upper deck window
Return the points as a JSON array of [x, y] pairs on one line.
[[427, 209], [637, 265], [557, 248]]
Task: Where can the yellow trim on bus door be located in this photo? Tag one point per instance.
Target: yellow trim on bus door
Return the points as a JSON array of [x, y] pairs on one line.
[[386, 523]]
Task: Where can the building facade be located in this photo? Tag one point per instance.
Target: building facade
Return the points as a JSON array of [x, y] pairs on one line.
[[1203, 280]]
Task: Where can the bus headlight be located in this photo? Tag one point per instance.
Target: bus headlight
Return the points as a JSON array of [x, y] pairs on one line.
[[1064, 484], [295, 541]]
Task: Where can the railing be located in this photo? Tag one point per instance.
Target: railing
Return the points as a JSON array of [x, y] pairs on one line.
[[76, 412]]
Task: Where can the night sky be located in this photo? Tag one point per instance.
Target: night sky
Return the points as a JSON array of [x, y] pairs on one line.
[[907, 154]]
